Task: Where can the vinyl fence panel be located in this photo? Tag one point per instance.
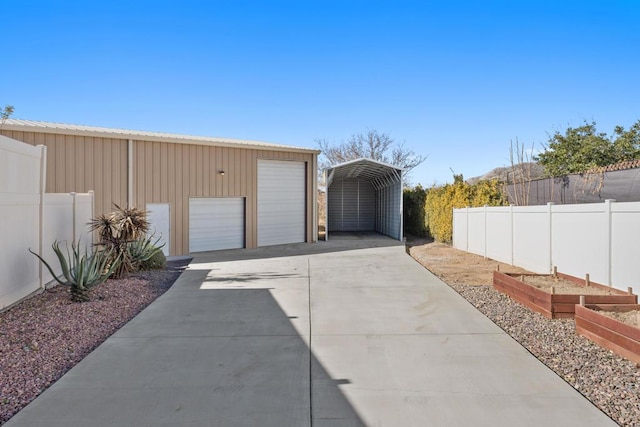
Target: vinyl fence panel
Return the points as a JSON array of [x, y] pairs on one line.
[[599, 239]]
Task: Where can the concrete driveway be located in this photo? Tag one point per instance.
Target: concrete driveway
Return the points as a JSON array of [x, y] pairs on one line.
[[342, 333]]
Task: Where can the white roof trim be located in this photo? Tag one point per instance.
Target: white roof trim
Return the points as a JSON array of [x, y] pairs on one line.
[[81, 130], [369, 169]]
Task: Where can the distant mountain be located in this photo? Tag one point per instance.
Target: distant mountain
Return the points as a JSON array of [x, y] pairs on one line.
[[505, 174]]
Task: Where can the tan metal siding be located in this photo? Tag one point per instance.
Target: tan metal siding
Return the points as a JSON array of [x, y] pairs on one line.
[[81, 164], [163, 172]]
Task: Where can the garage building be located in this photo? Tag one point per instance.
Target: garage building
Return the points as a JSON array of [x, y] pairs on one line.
[[202, 193], [364, 195]]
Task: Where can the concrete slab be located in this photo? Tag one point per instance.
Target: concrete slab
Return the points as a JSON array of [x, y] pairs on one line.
[[339, 333]]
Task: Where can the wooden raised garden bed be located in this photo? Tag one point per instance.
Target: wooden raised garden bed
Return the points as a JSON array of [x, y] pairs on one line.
[[620, 337], [556, 304]]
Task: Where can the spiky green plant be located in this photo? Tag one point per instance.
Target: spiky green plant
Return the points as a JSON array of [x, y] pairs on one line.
[[81, 271], [143, 253], [117, 230]]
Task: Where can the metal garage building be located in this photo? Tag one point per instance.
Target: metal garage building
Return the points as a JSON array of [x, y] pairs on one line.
[[202, 193], [364, 195]]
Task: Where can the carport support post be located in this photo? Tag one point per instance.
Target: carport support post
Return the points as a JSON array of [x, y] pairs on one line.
[[43, 186]]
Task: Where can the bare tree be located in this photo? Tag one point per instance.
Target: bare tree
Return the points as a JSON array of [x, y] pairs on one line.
[[519, 177], [370, 145]]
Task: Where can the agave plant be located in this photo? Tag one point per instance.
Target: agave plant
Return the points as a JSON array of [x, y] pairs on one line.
[[144, 253], [81, 271]]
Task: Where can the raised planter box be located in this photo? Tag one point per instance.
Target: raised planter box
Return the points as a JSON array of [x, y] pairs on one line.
[[555, 305], [617, 336]]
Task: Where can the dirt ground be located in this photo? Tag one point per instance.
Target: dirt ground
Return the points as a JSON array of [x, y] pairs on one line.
[[454, 266]]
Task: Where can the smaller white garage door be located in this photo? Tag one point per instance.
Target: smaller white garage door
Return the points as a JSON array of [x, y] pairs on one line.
[[216, 223]]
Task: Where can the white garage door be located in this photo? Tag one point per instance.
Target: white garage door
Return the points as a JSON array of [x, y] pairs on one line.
[[281, 202], [216, 223]]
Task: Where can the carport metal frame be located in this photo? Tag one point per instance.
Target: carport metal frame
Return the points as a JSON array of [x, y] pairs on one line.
[[381, 175]]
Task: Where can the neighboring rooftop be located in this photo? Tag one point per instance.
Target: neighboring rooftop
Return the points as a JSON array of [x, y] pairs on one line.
[[69, 129], [620, 166]]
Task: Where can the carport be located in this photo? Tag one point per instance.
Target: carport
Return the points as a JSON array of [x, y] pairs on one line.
[[364, 195]]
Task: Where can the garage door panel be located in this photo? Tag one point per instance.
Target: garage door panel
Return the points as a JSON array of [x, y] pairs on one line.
[[281, 202], [216, 223]]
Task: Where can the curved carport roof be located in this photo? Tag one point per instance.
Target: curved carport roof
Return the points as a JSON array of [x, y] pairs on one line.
[[364, 195]]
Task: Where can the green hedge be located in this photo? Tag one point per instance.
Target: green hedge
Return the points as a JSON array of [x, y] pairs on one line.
[[414, 217], [441, 201]]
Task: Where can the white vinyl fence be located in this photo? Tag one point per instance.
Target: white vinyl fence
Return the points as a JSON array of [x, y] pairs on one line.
[[31, 219], [601, 239]]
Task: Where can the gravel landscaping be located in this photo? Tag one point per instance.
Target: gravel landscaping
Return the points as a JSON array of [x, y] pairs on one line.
[[44, 336], [610, 382]]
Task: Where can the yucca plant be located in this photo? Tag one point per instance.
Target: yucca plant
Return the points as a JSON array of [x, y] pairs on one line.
[[81, 271], [117, 231]]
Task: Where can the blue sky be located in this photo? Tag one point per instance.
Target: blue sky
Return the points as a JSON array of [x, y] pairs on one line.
[[456, 81]]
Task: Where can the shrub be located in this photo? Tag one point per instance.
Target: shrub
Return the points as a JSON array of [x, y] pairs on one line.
[[441, 201], [414, 216], [81, 271], [156, 262]]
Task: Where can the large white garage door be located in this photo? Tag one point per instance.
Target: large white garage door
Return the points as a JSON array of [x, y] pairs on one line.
[[216, 223], [281, 202]]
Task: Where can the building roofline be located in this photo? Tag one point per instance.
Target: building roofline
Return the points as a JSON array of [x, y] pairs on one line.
[[103, 132]]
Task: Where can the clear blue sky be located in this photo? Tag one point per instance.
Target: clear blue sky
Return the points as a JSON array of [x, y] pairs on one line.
[[453, 80]]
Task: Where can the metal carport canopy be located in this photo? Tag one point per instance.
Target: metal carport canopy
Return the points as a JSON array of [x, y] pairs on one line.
[[387, 181]]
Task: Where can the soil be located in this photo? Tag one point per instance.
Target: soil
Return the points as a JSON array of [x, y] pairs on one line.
[[457, 267], [564, 286], [629, 317]]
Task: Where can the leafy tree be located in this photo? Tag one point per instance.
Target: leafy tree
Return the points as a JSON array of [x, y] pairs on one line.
[[371, 145], [583, 148]]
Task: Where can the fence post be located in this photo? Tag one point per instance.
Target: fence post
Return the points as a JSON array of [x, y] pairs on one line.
[[93, 215], [466, 241], [41, 213], [485, 231], [607, 210], [74, 206], [511, 231], [550, 211]]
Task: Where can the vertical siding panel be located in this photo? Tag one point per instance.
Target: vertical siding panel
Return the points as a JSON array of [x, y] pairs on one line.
[[177, 185], [148, 172], [156, 174], [60, 164], [113, 169], [139, 171], [237, 166], [228, 172], [219, 178], [89, 159], [107, 173], [212, 171], [50, 142], [192, 168], [199, 167], [98, 176], [171, 197], [80, 183], [184, 195], [164, 175], [124, 171], [205, 170]]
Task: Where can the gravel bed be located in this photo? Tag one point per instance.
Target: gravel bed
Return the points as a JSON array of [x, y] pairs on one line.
[[607, 380], [44, 336]]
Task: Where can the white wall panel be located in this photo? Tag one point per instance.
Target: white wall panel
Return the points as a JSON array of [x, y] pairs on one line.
[[625, 262], [498, 240], [531, 244], [476, 231]]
